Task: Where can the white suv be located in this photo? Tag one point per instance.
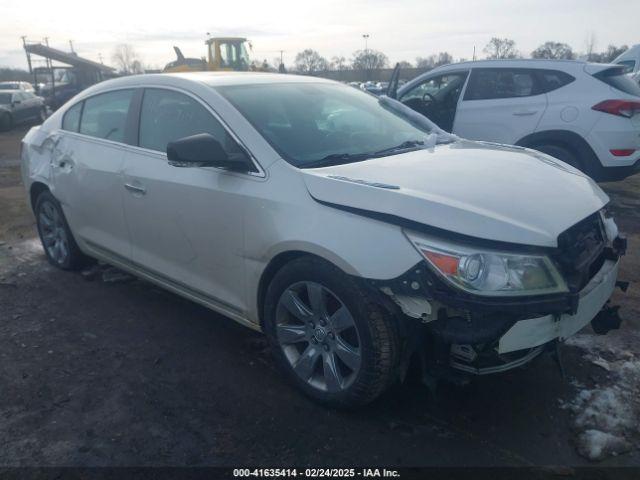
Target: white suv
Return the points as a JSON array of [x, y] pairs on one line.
[[585, 114], [348, 228]]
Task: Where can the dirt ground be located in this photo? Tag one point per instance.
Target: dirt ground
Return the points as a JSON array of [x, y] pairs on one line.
[[97, 373]]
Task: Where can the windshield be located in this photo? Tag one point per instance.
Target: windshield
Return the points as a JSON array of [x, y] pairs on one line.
[[5, 98], [616, 78], [311, 122]]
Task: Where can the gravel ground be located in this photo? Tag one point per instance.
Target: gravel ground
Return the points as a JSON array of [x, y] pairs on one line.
[[123, 373]]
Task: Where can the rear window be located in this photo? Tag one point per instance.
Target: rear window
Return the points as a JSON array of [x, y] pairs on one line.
[[629, 65], [105, 115], [616, 78], [71, 119], [551, 80]]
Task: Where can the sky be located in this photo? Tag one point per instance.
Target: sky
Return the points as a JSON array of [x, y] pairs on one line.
[[402, 29]]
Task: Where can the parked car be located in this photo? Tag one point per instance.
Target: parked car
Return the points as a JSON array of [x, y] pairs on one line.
[[18, 106], [585, 114], [24, 86], [354, 245]]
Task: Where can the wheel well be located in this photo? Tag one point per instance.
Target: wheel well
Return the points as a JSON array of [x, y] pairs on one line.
[[565, 139], [274, 266], [36, 189]]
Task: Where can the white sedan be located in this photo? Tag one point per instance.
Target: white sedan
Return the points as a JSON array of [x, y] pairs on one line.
[[351, 230]]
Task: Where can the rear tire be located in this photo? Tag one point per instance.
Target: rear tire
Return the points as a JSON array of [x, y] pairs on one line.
[[58, 243], [328, 335], [561, 153]]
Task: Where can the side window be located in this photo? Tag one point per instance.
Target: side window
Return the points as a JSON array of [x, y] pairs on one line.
[[436, 87], [492, 83], [105, 115], [167, 116], [553, 79], [71, 119]]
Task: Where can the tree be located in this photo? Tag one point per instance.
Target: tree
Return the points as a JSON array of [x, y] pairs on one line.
[[591, 45], [501, 48], [428, 62], [126, 59], [444, 58], [368, 60], [613, 52], [553, 51], [405, 64], [339, 63], [310, 61]]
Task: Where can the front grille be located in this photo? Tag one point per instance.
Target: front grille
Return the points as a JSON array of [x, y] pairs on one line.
[[581, 251]]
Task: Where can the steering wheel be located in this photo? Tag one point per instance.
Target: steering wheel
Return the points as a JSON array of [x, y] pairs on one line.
[[432, 99]]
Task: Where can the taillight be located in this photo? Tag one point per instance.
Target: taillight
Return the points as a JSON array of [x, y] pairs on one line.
[[622, 108], [622, 152]]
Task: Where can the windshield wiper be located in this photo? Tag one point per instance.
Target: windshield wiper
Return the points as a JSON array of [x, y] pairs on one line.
[[403, 146], [338, 159]]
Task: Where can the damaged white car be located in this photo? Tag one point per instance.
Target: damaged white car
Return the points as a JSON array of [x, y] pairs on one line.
[[352, 231]]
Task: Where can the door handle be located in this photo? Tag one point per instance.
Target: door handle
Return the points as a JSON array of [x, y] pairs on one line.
[[135, 188], [525, 113]]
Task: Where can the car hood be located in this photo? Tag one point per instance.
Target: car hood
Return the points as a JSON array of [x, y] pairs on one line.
[[483, 190]]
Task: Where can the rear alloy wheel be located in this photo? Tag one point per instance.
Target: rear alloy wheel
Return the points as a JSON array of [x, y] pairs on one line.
[[329, 335], [55, 235]]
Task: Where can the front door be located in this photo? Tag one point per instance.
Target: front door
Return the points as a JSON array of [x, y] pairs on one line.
[[186, 224], [437, 97], [500, 105]]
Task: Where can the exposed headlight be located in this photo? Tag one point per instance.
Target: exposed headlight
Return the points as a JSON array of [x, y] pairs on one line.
[[489, 272]]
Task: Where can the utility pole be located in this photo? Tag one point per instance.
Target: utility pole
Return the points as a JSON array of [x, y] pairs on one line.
[[71, 46], [474, 53], [100, 58], [366, 40]]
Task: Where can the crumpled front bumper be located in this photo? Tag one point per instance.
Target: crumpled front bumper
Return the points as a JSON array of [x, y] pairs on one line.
[[533, 332]]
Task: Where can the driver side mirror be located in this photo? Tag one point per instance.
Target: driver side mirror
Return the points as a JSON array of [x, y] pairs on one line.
[[203, 150], [15, 102]]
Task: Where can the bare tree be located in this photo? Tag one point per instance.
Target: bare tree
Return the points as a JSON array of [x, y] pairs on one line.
[[368, 60], [426, 62], [613, 52], [339, 63], [554, 51], [444, 58], [127, 60], [405, 64], [591, 42], [310, 61], [501, 48]]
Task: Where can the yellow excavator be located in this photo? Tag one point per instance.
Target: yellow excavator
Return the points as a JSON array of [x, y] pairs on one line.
[[223, 54]]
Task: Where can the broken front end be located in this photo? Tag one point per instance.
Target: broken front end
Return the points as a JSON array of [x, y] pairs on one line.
[[488, 308]]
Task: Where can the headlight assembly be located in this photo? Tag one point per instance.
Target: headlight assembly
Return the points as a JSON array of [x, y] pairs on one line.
[[489, 272]]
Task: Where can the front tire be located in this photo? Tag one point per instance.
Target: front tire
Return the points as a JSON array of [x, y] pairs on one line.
[[328, 335], [60, 247]]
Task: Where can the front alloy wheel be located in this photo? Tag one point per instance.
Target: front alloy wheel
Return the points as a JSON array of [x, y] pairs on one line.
[[318, 336], [329, 334]]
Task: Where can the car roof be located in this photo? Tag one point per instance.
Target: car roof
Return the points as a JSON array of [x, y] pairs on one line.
[[212, 79], [522, 63]]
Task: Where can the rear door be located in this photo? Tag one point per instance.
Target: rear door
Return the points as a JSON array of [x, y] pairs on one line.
[[87, 169], [20, 107], [500, 105]]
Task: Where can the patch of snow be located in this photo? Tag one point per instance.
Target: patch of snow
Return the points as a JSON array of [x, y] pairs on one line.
[[596, 445], [607, 416]]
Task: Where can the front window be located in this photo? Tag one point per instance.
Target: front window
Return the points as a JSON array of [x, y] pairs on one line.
[[310, 122], [234, 54]]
